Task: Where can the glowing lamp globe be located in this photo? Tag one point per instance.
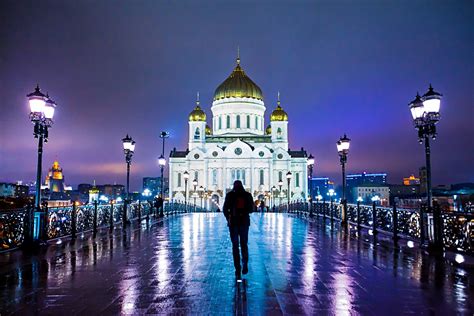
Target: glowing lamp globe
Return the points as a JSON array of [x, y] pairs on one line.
[[310, 160], [36, 101], [162, 161], [289, 175], [343, 144], [186, 175], [431, 101], [417, 108], [49, 107], [195, 182], [128, 144]]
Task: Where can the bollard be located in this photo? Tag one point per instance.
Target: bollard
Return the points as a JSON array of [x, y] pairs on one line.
[[73, 221], [95, 219], [437, 227], [46, 222], [111, 217], [395, 223], [374, 218], [358, 215]]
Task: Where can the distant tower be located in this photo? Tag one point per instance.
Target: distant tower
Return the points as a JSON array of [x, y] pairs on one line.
[[93, 194], [55, 179], [279, 126], [197, 126]]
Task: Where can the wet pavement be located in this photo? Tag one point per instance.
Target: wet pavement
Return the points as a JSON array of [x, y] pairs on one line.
[[183, 265]]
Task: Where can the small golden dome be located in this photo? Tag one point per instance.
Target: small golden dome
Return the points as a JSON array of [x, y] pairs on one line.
[[238, 85], [208, 130], [268, 130], [197, 115], [278, 114]]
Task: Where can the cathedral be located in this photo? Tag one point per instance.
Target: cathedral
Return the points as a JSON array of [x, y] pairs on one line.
[[238, 146]]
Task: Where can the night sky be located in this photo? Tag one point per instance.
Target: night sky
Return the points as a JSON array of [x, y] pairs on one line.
[[117, 67]]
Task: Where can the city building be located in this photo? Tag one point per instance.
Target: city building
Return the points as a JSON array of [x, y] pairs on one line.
[[54, 181], [367, 191], [154, 185], [361, 179], [111, 191], [319, 186], [238, 145], [7, 189], [411, 180]]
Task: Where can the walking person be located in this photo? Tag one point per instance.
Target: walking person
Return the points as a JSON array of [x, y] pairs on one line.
[[238, 205]]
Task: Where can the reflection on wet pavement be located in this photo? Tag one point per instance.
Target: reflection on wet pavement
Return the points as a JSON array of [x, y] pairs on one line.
[[184, 265]]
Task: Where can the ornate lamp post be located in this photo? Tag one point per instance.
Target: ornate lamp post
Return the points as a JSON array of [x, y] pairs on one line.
[[201, 194], [310, 163], [128, 150], [274, 189], [42, 109], [186, 178], [280, 185], [195, 183], [162, 163], [343, 149], [288, 179], [425, 113]]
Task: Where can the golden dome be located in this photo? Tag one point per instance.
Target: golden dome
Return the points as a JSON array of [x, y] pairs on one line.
[[278, 114], [208, 130], [197, 115], [238, 85], [268, 130]]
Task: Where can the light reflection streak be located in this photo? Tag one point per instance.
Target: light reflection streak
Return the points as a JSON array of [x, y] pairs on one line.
[[342, 284]]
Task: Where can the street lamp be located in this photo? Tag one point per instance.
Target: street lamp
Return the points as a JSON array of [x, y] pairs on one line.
[[201, 193], [288, 179], [195, 183], [162, 163], [274, 189], [343, 149], [310, 163], [128, 150], [280, 185], [186, 178], [425, 113], [42, 109]]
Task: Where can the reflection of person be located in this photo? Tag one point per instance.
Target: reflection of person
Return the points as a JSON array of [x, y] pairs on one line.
[[237, 207]]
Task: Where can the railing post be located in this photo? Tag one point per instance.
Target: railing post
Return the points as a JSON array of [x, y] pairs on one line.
[[438, 227], [358, 215], [46, 221], [332, 211], [374, 218], [139, 211], [422, 226], [395, 223], [111, 217], [73, 221], [95, 218]]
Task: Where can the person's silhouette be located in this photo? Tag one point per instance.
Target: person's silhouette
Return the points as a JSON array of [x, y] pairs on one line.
[[237, 207]]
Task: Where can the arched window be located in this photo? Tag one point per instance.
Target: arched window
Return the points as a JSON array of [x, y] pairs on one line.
[[256, 122], [179, 179], [220, 122], [262, 177], [297, 180], [228, 121], [237, 121], [214, 176], [248, 121], [279, 133], [280, 176], [197, 133]]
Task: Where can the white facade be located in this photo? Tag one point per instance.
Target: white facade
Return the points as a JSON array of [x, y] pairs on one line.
[[238, 146]]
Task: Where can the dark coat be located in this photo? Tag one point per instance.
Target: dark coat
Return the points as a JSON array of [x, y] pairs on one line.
[[237, 207]]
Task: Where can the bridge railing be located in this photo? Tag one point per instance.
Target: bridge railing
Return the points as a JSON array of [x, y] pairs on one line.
[[457, 229], [70, 220]]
